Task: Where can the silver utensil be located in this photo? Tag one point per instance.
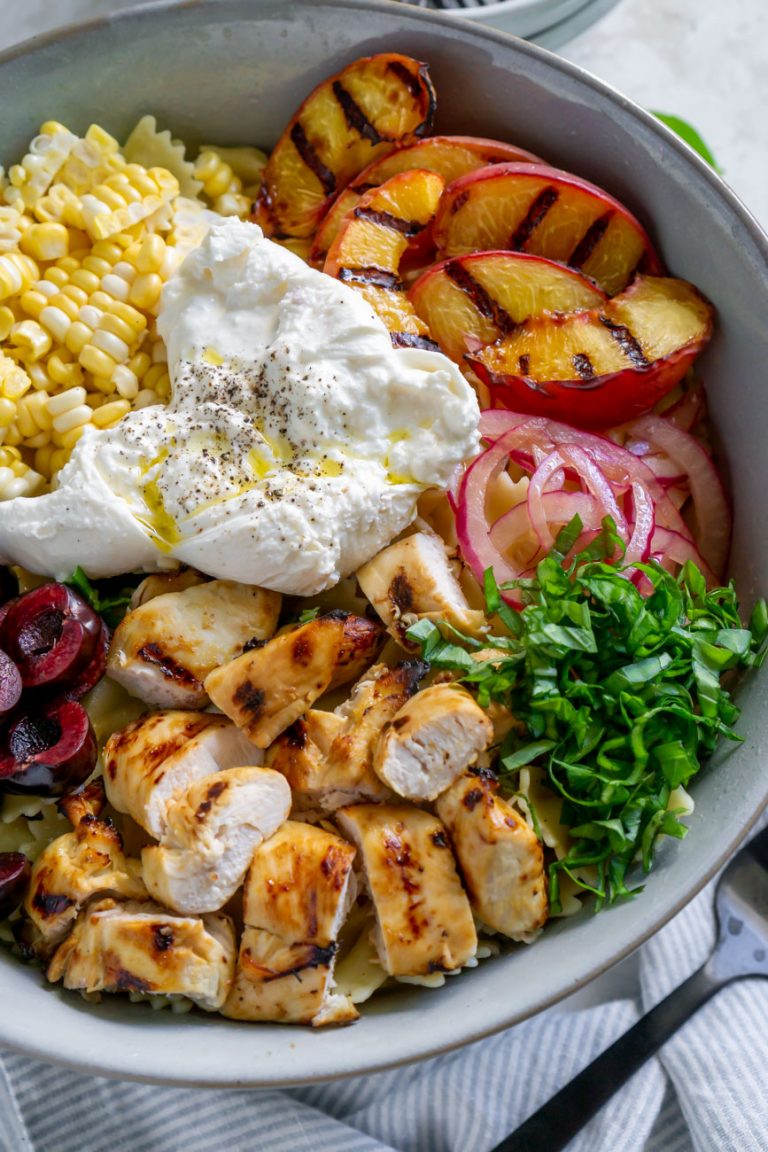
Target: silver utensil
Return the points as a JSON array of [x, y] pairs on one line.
[[741, 905]]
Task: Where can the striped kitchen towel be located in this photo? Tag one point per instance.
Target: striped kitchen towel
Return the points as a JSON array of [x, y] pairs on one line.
[[708, 1092]]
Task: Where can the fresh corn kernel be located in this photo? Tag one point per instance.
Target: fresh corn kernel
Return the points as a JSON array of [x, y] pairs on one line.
[[112, 345], [151, 254], [66, 401], [109, 414], [17, 274], [126, 382], [14, 381], [67, 373], [45, 241], [70, 437], [33, 303], [73, 418], [57, 276], [146, 397], [31, 339], [78, 335], [111, 323], [96, 361], [7, 320], [7, 412], [145, 290], [104, 385]]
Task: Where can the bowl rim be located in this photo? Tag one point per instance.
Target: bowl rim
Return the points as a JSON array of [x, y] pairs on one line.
[[19, 1040]]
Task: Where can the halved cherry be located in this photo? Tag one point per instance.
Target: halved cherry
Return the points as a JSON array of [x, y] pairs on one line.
[[48, 752], [89, 675], [547, 212], [51, 634], [350, 119], [604, 366], [367, 252], [15, 871], [470, 301], [448, 156], [10, 684]]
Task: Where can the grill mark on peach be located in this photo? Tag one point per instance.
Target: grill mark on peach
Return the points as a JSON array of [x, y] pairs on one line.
[[50, 904], [377, 277], [627, 342], [389, 220], [411, 340], [583, 365], [458, 202], [590, 240], [481, 299], [125, 981], [311, 158], [162, 937], [355, 117], [302, 650], [533, 217], [171, 669], [296, 735], [472, 798]]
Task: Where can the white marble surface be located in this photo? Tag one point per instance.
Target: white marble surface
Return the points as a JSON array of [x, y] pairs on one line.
[[704, 60]]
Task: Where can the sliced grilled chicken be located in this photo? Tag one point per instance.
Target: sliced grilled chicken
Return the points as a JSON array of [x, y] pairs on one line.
[[162, 582], [412, 580], [300, 884], [423, 920], [286, 983], [432, 740], [163, 753], [163, 650], [211, 833], [301, 752], [74, 867], [266, 690], [296, 896], [143, 948], [500, 856]]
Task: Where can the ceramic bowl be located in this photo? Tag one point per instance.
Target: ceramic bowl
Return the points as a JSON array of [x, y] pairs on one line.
[[233, 71]]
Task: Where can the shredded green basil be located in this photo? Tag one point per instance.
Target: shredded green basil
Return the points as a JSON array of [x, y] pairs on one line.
[[620, 694], [111, 607]]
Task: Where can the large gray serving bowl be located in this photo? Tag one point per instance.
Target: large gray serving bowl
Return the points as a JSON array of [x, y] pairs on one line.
[[233, 71]]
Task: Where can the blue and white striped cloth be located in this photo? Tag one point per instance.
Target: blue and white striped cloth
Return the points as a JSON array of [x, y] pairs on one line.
[[708, 1092]]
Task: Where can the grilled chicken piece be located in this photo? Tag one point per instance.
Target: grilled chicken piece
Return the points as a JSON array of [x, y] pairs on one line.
[[412, 580], [300, 754], [143, 948], [286, 983], [423, 920], [162, 753], [211, 834], [74, 867], [300, 884], [163, 650], [500, 856], [162, 582], [431, 741], [296, 896], [266, 690]]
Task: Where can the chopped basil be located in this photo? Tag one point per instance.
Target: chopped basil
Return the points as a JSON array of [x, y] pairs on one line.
[[620, 695]]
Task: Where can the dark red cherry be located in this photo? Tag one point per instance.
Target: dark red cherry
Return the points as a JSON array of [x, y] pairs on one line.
[[49, 751], [51, 634], [15, 870]]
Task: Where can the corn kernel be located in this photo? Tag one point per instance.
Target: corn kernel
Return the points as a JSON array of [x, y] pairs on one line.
[[14, 381], [70, 437], [74, 418], [17, 274], [111, 323], [151, 254], [85, 279], [116, 286], [125, 381], [7, 412], [96, 361], [90, 313], [45, 241], [140, 364], [146, 397], [57, 276], [109, 414], [7, 320], [68, 264], [66, 373], [66, 401], [12, 436], [104, 384], [130, 315], [41, 381], [39, 440], [97, 266], [31, 339], [56, 321], [112, 345], [77, 295], [33, 303], [145, 290]]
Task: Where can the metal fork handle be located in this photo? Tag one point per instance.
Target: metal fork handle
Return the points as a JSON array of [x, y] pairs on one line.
[[561, 1118]]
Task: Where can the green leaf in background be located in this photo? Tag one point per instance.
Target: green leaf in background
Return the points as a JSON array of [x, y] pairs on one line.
[[691, 136]]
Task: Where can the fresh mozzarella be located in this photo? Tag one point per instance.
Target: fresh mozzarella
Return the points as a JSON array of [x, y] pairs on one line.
[[294, 448]]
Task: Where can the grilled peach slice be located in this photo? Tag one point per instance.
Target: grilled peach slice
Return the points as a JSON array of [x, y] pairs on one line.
[[604, 366], [473, 300], [448, 156], [541, 210], [345, 123], [369, 248]]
